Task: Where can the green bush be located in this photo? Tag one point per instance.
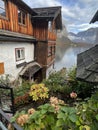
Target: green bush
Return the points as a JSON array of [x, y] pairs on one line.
[[83, 89], [82, 116], [21, 94], [58, 85], [4, 80], [22, 89], [64, 82]]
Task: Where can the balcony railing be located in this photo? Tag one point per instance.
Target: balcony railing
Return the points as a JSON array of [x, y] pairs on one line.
[[5, 121]]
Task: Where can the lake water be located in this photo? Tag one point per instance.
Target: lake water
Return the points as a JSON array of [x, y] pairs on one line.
[[66, 56]]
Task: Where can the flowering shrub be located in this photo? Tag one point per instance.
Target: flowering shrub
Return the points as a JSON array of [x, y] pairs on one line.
[[83, 116], [31, 111], [22, 119], [38, 91], [55, 102]]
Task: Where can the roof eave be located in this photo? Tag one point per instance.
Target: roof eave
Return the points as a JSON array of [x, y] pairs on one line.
[[46, 18], [24, 6], [95, 18], [56, 17], [58, 14]]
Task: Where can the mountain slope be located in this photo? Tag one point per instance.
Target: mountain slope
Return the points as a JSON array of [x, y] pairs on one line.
[[88, 36]]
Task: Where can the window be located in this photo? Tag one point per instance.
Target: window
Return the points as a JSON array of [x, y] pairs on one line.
[[20, 54], [49, 51], [50, 26], [53, 50], [2, 8], [21, 17]]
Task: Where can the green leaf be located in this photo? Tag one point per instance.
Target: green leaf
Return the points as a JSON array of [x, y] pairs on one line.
[[61, 115], [87, 127], [50, 119], [81, 127], [78, 123], [46, 106], [73, 118], [65, 109], [59, 123], [13, 119], [56, 128], [97, 117]]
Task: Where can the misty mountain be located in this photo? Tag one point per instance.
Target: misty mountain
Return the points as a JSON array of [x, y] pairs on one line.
[[63, 43], [88, 36], [62, 37]]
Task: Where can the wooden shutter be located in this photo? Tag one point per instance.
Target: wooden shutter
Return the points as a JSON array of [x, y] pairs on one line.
[[1, 68]]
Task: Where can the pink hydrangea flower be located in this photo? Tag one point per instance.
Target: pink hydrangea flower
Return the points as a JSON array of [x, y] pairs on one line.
[[73, 95]]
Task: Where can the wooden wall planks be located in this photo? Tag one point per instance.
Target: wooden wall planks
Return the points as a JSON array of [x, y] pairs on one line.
[[11, 21]]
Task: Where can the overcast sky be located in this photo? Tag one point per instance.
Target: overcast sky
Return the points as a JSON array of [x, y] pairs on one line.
[[76, 14]]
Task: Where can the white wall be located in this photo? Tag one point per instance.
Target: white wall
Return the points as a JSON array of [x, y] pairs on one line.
[[50, 70], [7, 55]]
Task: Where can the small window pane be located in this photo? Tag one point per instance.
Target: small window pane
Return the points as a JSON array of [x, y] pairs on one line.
[[22, 53], [50, 26], [2, 8], [21, 17], [2, 4], [24, 16], [18, 53], [2, 12], [49, 51]]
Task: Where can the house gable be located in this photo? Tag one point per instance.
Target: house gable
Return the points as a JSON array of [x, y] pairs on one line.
[[11, 21]]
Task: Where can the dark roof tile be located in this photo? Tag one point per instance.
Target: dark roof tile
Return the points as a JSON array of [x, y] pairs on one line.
[[87, 65]]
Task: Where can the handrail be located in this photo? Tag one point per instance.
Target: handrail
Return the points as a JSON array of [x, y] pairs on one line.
[[5, 117], [2, 126]]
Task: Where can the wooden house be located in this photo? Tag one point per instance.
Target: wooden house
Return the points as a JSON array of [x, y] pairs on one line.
[[27, 39], [46, 23]]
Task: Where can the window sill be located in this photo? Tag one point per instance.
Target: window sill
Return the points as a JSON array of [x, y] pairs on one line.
[[22, 24], [20, 59], [49, 55], [3, 17]]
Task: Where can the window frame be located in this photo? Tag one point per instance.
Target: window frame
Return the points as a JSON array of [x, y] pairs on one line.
[[22, 17], [50, 26], [5, 9], [49, 50], [53, 50], [22, 56]]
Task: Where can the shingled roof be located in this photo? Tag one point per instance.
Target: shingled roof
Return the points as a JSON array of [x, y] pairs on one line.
[[50, 14], [87, 65], [87, 62]]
